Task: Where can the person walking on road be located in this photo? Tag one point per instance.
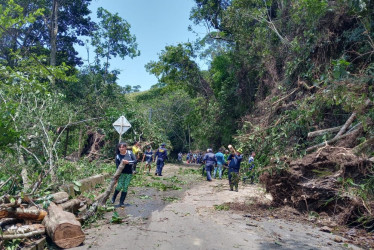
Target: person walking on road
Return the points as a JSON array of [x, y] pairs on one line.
[[225, 157], [234, 161], [251, 162], [220, 162], [148, 157], [136, 151], [128, 158], [161, 155], [210, 161], [188, 157], [180, 155]]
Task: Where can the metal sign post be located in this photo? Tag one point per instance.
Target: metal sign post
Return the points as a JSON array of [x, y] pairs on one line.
[[121, 125]]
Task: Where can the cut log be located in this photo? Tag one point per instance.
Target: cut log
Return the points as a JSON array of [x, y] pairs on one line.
[[63, 228], [323, 131], [72, 205], [23, 213], [111, 185], [21, 232], [346, 125]]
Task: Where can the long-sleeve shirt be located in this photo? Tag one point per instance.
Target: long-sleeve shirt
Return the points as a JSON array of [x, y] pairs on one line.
[[128, 156], [209, 159], [161, 154], [235, 161]]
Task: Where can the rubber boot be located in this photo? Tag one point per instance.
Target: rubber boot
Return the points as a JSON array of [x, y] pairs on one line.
[[122, 199], [115, 195]]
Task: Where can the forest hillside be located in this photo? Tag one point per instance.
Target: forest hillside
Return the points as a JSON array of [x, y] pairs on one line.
[[291, 80]]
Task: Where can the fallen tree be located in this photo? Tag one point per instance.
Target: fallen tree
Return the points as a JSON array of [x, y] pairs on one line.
[[318, 182], [23, 213], [323, 131], [63, 228], [335, 139]]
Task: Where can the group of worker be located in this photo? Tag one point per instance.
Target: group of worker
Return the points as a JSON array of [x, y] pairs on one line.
[[215, 163], [219, 161]]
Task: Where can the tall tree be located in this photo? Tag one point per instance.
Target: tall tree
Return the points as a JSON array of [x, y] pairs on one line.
[[112, 39], [54, 33]]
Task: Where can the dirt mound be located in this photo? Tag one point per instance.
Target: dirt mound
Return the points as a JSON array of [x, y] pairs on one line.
[[321, 182]]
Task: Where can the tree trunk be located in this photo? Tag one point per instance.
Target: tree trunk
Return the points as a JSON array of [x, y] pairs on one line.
[[331, 141], [323, 131], [112, 183], [80, 142], [63, 228], [346, 125], [66, 142], [24, 174], [23, 213], [53, 32]]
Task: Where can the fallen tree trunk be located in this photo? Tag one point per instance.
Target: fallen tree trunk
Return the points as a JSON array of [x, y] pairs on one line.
[[21, 232], [324, 131], [63, 228], [111, 185], [104, 196], [346, 125], [23, 213], [335, 139]]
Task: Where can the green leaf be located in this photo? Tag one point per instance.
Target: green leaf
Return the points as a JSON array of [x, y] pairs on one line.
[[77, 183]]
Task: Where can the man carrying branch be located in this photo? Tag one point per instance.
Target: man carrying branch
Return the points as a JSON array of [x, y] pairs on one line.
[[234, 161]]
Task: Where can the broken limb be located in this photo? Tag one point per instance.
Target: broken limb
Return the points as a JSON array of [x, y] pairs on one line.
[[332, 140], [324, 131], [346, 125], [21, 232]]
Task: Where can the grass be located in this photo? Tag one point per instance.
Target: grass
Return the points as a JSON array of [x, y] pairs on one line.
[[170, 199], [222, 207]]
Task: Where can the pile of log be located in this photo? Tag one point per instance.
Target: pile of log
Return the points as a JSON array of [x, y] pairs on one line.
[[23, 218]]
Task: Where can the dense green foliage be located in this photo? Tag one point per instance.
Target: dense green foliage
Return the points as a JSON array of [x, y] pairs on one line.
[[49, 110], [278, 70]]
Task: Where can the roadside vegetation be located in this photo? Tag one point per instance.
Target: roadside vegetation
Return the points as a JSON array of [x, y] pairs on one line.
[[291, 80]]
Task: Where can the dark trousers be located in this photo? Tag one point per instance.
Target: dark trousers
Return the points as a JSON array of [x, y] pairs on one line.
[[160, 164], [208, 170]]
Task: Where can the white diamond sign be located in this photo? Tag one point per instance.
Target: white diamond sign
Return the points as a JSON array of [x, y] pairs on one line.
[[122, 125]]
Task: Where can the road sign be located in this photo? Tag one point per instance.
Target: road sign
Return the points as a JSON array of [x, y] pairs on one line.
[[122, 125]]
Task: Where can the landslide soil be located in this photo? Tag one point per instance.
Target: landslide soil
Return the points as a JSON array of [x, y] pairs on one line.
[[187, 212]]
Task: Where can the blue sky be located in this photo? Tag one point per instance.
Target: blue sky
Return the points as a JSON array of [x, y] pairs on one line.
[[156, 24]]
